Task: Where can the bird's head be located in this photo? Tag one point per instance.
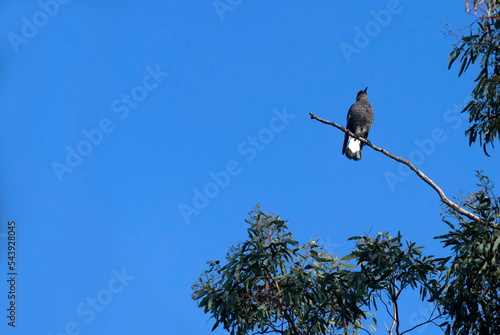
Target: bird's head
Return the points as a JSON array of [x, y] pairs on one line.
[[361, 94]]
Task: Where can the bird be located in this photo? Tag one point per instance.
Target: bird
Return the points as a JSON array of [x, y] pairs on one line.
[[359, 122]]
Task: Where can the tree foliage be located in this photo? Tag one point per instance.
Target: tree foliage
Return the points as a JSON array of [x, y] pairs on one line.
[[471, 284], [482, 46], [387, 267], [272, 284]]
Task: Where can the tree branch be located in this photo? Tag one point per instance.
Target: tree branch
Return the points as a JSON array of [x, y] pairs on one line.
[[395, 319], [419, 173], [431, 319], [396, 308]]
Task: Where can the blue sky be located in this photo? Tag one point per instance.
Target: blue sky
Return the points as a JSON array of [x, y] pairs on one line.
[[116, 116]]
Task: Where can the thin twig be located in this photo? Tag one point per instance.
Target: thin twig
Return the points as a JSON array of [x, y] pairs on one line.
[[423, 323], [385, 326], [386, 307], [419, 173], [431, 320]]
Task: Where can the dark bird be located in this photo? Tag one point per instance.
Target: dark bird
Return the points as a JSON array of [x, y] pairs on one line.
[[359, 121]]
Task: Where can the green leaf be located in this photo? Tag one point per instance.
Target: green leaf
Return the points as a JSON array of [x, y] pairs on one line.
[[495, 246], [348, 257]]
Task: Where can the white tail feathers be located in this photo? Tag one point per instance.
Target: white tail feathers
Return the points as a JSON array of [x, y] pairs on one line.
[[354, 144], [353, 149]]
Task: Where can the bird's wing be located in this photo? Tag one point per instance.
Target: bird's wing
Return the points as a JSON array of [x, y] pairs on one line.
[[368, 112], [346, 137]]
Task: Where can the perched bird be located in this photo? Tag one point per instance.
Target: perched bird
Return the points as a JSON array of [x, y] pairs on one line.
[[359, 121]]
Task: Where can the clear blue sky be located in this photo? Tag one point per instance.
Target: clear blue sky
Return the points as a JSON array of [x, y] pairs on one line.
[[116, 115]]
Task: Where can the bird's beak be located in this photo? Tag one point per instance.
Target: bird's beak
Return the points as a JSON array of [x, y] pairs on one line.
[[366, 89]]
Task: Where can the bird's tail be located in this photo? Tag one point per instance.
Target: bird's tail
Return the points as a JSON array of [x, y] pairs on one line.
[[353, 150]]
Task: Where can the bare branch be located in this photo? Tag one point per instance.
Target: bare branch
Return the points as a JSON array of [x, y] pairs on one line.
[[396, 308], [386, 327], [419, 173], [431, 320], [386, 307], [395, 319]]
